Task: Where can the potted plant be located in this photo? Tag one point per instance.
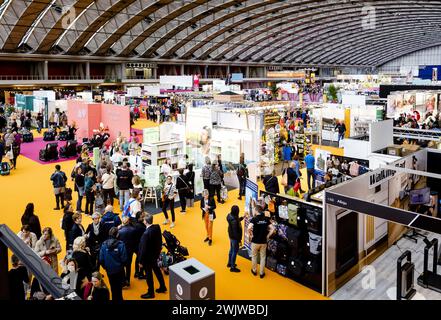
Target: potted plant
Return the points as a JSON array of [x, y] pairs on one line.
[[332, 93]]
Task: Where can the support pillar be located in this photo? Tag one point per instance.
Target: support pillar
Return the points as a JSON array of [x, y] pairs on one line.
[[87, 70], [182, 69], [46, 70], [206, 72], [247, 72]]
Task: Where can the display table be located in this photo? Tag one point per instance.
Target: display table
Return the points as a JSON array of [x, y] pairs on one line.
[[191, 280]]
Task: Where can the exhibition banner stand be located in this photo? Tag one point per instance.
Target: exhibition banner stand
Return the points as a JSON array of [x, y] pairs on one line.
[[251, 196]]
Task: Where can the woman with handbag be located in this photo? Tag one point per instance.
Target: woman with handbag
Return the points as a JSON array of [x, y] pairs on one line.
[[183, 189], [190, 175], [49, 247], [208, 214]]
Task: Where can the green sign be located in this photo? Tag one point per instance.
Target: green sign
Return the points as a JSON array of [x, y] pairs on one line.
[[96, 156], [150, 135], [151, 176]]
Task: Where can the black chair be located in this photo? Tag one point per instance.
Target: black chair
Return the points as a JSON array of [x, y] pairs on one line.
[[50, 152], [49, 136], [69, 150], [63, 136]]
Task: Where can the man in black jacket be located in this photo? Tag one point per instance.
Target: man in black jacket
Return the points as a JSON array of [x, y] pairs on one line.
[[140, 229], [271, 183], [124, 183], [149, 250], [127, 234]]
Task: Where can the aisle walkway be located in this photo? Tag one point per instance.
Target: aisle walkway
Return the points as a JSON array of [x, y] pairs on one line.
[[30, 183]]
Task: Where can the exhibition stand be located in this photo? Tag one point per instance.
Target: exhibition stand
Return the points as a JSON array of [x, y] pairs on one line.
[[372, 212]]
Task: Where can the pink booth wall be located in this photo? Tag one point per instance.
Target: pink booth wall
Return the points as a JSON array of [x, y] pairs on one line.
[[88, 116]]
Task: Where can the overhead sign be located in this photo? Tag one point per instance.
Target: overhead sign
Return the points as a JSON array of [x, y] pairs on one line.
[[378, 177]]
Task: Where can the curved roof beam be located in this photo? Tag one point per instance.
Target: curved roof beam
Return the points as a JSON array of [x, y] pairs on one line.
[[284, 40], [58, 29], [25, 22], [11, 12], [390, 58], [360, 37], [215, 24], [168, 18], [102, 19]]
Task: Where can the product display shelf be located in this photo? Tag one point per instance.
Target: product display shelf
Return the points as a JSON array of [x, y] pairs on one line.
[[156, 153]]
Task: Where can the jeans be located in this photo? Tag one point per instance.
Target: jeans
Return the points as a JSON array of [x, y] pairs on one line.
[[128, 266], [234, 249], [310, 173], [169, 203], [257, 248], [341, 136], [149, 269], [109, 195], [116, 281], [124, 196], [59, 198], [79, 201], [242, 182]]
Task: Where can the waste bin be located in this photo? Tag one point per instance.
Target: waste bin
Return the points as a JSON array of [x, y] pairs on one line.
[[191, 280]]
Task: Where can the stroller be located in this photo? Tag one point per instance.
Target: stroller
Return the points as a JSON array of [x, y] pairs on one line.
[[175, 252], [50, 152], [69, 150], [5, 169]]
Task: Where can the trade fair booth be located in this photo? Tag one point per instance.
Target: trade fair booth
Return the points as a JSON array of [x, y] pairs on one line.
[[367, 217], [89, 116]]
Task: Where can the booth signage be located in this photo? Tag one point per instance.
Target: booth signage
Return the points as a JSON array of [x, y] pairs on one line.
[[381, 176], [251, 196], [407, 218]]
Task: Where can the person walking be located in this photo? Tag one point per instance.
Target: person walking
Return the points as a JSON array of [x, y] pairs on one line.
[[124, 183], [216, 182], [109, 180], [208, 214], [190, 175], [242, 175], [67, 223], [127, 234], [310, 170], [150, 248], [59, 180], [260, 230], [31, 219], [168, 200], [341, 129], [79, 187], [206, 173], [235, 235], [113, 257], [89, 189], [183, 188], [292, 176]]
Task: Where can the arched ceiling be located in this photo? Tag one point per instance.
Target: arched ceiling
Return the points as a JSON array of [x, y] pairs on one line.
[[274, 31]]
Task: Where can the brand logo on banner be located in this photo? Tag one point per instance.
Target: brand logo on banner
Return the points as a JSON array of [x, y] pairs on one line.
[[377, 178]]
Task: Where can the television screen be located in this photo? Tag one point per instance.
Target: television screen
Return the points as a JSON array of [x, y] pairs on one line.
[[420, 196]]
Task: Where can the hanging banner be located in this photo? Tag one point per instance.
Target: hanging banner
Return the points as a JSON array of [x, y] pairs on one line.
[[251, 195], [151, 176]]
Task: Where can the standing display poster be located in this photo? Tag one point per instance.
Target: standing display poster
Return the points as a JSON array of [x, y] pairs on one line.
[[320, 163], [230, 150], [251, 196], [151, 176], [270, 140], [150, 135], [96, 156], [198, 134]]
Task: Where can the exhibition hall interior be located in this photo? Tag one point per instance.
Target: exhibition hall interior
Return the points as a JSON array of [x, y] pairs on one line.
[[220, 150]]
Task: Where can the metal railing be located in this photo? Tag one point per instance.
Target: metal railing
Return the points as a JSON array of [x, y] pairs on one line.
[[420, 134]]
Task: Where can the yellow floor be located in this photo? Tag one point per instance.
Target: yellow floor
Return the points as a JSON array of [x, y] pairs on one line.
[[30, 183]]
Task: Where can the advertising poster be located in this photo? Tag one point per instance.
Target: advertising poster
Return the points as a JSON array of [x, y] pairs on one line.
[[150, 135], [198, 134], [251, 195], [96, 156], [321, 157], [230, 150], [151, 176]]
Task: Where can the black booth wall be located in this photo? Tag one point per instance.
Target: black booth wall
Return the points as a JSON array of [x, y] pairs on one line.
[[308, 276], [385, 90]]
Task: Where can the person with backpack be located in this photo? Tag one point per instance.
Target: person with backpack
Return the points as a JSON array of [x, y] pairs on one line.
[[127, 234], [242, 175], [59, 180], [113, 257], [109, 220]]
